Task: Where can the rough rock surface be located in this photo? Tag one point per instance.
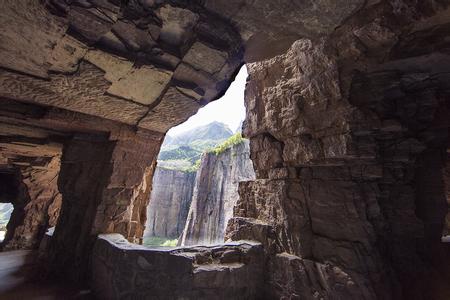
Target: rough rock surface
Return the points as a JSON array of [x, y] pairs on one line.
[[348, 138], [215, 194], [348, 129], [229, 271], [103, 81], [30, 184], [170, 200], [117, 61], [447, 185]]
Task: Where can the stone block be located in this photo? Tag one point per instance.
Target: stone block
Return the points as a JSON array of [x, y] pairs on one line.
[[175, 107], [143, 84]]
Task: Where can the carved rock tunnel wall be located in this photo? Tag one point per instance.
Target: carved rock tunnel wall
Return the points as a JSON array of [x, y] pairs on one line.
[[29, 182], [347, 115]]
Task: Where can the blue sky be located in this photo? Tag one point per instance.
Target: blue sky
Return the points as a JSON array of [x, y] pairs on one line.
[[229, 109]]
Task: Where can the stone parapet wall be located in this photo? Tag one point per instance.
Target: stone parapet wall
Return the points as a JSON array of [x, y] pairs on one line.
[[123, 270]]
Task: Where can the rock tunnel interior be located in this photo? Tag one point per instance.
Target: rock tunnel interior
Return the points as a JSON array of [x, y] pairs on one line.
[[347, 116]]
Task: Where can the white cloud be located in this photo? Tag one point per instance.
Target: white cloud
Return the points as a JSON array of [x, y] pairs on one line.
[[229, 109]]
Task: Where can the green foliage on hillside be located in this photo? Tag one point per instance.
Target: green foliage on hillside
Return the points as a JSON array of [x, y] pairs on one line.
[[180, 153], [159, 242], [203, 145], [194, 167], [231, 141], [183, 152], [179, 165]]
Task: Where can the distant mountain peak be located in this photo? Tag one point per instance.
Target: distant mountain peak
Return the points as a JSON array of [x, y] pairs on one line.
[[215, 122], [190, 144], [212, 131]]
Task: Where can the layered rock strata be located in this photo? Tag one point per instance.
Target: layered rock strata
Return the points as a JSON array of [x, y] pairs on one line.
[[216, 193], [170, 200], [103, 81], [348, 128], [88, 164], [348, 137], [446, 232], [30, 183], [230, 271], [141, 63]]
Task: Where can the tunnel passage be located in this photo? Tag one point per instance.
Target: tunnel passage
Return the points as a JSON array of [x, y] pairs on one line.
[[9, 188], [29, 175], [9, 193]]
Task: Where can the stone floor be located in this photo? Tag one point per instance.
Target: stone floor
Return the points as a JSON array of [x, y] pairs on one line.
[[15, 266]]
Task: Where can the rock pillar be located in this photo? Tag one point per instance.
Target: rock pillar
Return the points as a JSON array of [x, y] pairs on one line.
[[105, 183]]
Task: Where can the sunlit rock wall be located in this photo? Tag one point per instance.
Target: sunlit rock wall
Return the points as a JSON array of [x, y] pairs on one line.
[[170, 200], [215, 194]]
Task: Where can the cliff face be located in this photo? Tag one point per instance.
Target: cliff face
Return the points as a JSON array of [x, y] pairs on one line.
[[349, 169], [216, 193], [169, 203]]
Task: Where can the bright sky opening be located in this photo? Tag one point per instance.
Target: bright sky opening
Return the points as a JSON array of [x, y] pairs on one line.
[[229, 109]]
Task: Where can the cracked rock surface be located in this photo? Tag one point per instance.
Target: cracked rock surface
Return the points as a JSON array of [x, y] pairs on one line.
[[347, 116]]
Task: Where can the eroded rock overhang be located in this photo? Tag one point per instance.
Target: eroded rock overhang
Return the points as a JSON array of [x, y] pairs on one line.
[[142, 64], [150, 64]]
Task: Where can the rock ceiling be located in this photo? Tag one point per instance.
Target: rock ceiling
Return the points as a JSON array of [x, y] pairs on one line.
[[150, 64]]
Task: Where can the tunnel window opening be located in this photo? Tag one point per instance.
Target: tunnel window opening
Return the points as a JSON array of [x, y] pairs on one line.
[[6, 210], [200, 164], [9, 193]]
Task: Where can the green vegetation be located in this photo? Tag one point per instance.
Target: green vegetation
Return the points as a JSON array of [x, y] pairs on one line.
[[157, 241], [180, 153], [179, 165], [183, 152], [196, 166], [204, 145], [231, 141]]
